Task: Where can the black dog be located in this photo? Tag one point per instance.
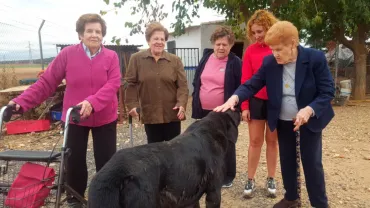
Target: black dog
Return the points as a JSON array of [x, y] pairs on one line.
[[169, 174]]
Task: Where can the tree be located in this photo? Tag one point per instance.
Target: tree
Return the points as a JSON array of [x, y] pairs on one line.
[[236, 13], [317, 20], [346, 21]]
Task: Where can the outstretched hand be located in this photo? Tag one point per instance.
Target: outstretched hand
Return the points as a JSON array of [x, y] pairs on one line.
[[230, 104]]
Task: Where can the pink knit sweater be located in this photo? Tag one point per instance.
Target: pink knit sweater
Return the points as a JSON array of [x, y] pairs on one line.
[[96, 81]]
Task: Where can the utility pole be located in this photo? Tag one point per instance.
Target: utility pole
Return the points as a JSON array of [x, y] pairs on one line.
[[29, 52], [42, 58]]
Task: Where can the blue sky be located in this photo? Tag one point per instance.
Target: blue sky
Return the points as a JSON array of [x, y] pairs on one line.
[[20, 21]]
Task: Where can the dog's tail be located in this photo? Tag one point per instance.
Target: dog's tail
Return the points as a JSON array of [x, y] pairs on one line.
[[106, 190]]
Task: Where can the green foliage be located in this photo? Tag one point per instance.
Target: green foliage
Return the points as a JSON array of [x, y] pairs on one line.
[[317, 20], [323, 20], [148, 10]]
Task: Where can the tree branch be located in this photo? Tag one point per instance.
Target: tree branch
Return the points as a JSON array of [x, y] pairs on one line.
[[339, 34], [275, 4], [244, 9]]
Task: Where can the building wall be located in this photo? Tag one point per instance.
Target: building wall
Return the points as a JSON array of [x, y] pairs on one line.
[[206, 32], [191, 39]]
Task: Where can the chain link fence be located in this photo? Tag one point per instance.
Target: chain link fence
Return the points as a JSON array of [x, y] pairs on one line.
[[20, 41]]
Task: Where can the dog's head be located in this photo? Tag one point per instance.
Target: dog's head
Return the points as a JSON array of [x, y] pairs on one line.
[[226, 123], [235, 117]]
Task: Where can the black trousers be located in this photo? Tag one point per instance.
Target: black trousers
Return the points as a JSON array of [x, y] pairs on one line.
[[311, 156], [230, 158], [162, 132], [104, 142]]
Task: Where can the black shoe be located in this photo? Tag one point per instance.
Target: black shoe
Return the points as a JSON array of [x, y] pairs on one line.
[[74, 203], [227, 185]]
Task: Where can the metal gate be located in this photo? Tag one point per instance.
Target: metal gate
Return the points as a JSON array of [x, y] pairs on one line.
[[190, 60]]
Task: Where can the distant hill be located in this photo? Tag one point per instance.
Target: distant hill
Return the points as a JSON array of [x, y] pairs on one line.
[[35, 61]]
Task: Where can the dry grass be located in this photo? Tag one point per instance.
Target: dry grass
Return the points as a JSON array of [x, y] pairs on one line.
[[8, 77]]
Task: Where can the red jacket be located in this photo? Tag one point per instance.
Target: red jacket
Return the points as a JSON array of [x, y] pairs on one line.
[[252, 62]]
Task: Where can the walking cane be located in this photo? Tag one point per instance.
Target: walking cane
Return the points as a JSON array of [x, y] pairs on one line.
[[130, 126], [298, 160]]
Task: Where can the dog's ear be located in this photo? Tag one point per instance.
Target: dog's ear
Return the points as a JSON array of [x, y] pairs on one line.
[[235, 117], [233, 123]]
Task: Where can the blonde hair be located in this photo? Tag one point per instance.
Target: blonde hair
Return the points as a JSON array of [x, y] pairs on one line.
[[260, 17], [282, 32]]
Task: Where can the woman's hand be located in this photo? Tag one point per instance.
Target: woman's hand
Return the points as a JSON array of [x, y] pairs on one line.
[[181, 113], [133, 112], [246, 115], [230, 104], [12, 103], [302, 117], [86, 109]]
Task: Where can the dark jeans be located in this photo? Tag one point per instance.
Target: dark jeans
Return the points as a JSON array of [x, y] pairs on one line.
[[162, 132], [230, 158], [311, 156], [104, 142]]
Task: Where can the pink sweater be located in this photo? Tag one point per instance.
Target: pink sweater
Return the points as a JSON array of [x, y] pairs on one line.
[[96, 81]]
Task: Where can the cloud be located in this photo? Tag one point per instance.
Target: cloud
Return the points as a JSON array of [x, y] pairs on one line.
[[20, 21]]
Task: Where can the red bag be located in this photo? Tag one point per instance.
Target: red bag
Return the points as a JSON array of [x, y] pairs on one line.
[[29, 189]]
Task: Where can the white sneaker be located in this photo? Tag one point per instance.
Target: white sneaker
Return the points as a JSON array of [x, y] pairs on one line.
[[249, 189], [271, 187]]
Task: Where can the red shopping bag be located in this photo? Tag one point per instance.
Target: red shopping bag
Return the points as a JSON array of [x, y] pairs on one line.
[[30, 188]]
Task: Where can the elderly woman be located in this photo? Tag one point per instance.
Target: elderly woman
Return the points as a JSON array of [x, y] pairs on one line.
[[92, 73], [157, 84], [254, 110], [300, 89], [216, 78]]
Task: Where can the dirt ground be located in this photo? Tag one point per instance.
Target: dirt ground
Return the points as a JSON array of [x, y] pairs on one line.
[[346, 159]]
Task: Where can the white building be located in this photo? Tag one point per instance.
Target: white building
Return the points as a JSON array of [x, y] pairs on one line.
[[198, 36]]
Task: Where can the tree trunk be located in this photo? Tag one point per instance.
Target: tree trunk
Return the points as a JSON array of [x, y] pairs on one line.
[[359, 92], [246, 43], [246, 15]]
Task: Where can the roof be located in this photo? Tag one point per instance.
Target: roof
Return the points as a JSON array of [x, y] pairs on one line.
[[112, 47], [203, 23]]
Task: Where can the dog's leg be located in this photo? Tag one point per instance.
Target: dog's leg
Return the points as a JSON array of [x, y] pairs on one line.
[[197, 205], [213, 198]]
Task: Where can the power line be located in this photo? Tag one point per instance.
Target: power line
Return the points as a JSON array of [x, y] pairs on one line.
[[19, 22], [48, 21], [11, 25]]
